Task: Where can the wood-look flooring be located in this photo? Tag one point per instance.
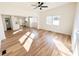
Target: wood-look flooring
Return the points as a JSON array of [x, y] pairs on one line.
[[43, 45]]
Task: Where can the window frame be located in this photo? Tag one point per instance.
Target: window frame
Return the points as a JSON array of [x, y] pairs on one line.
[[51, 20]]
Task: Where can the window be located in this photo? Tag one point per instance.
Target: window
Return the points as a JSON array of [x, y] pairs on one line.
[[53, 20], [26, 19], [49, 20], [56, 20]]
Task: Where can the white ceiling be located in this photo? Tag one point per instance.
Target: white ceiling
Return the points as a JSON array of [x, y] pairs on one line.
[[49, 4], [26, 8], [28, 5]]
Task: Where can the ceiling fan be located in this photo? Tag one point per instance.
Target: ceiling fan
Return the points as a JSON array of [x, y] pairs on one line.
[[40, 5]]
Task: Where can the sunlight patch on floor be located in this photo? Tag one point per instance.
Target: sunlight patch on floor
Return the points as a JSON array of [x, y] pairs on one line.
[[61, 47], [32, 36], [28, 33], [53, 41], [17, 31], [48, 40], [27, 44], [22, 39], [28, 38], [62, 54]]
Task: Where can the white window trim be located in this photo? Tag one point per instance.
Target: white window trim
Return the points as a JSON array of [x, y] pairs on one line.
[[50, 20]]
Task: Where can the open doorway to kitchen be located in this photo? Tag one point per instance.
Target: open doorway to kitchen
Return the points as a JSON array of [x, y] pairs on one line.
[[7, 22]]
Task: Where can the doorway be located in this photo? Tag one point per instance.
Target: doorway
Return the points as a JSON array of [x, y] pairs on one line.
[[8, 23], [33, 22]]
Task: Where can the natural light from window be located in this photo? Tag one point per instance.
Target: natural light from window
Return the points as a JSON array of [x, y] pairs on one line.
[[22, 39], [56, 20], [17, 31], [58, 44], [27, 40], [61, 47], [27, 44], [53, 20]]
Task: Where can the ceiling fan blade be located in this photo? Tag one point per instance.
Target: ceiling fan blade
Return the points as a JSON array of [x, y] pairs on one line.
[[44, 6], [40, 4]]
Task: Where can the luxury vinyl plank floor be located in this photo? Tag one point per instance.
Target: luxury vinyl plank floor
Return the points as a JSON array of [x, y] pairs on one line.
[[44, 43]]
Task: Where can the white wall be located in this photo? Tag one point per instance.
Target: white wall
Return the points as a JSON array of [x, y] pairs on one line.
[[75, 29], [2, 35], [66, 13], [4, 24]]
